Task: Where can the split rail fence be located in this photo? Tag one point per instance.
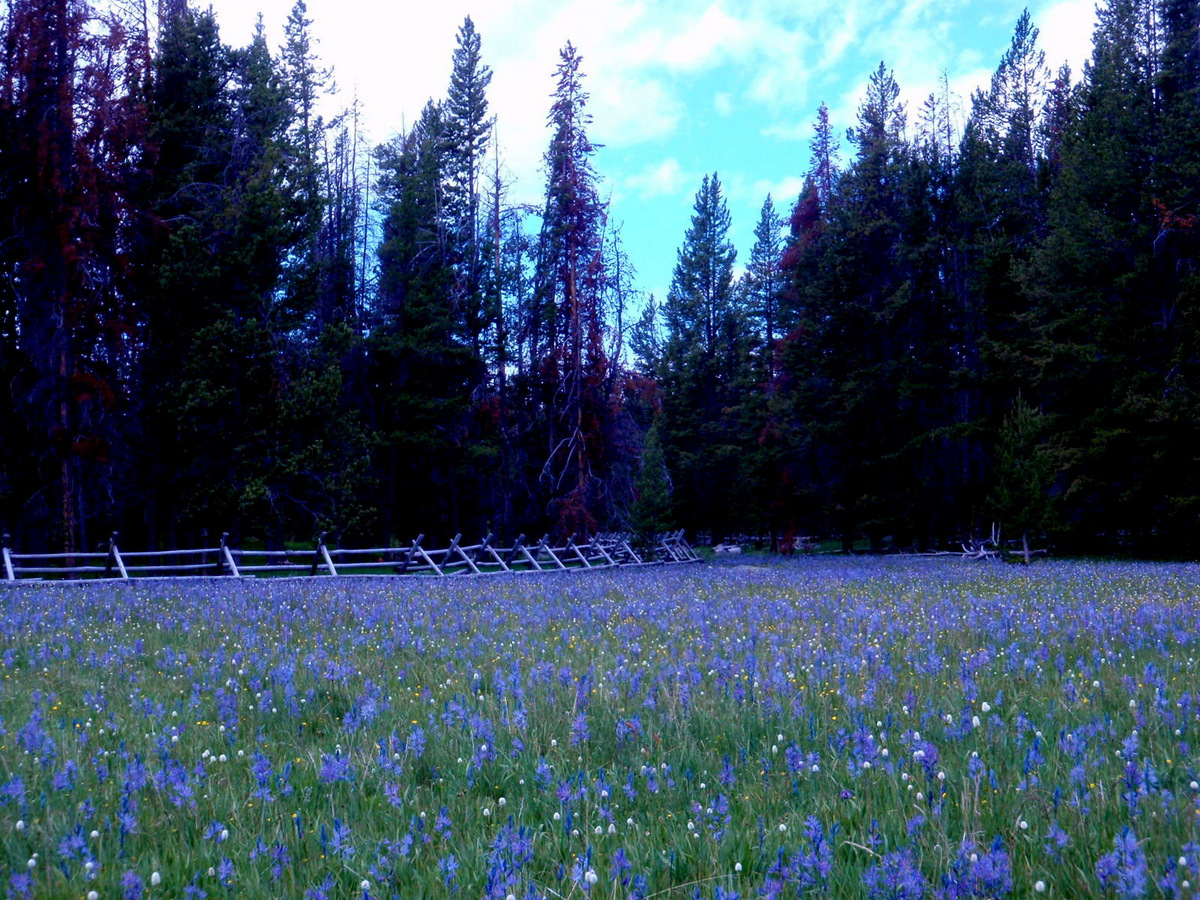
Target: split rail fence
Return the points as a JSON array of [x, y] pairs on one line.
[[604, 551]]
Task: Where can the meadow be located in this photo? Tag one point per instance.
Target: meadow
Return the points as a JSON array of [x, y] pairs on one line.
[[877, 728]]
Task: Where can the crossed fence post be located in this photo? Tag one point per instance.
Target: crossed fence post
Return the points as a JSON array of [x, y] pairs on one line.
[[114, 556]]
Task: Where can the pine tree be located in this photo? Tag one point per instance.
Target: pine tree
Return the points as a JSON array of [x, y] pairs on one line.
[[855, 368], [230, 214], [704, 370], [763, 284], [994, 218], [1178, 84], [569, 291], [68, 147], [651, 513], [645, 339], [1099, 348], [424, 364], [823, 171], [313, 275], [467, 132], [1007, 113], [344, 233], [189, 142], [1024, 474], [701, 299]]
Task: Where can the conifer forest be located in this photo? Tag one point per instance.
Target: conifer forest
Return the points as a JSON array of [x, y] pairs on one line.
[[223, 310]]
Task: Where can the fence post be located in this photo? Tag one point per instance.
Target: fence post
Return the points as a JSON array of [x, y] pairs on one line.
[[229, 556], [221, 554], [666, 541], [516, 548], [8, 567], [428, 559], [114, 555], [685, 548], [545, 545], [412, 551], [452, 549], [571, 546], [595, 545], [469, 561], [487, 545], [626, 549], [483, 545], [317, 553], [325, 555]]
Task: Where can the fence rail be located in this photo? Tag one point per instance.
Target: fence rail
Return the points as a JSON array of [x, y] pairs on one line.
[[603, 551]]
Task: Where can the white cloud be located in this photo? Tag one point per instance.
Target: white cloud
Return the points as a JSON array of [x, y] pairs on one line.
[[1066, 33], [661, 179], [630, 110], [749, 192], [790, 130], [704, 41]]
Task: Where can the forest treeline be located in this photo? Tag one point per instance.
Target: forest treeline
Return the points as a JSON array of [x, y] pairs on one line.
[[222, 311]]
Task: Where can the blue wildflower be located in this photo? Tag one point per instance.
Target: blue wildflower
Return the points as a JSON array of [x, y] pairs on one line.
[[335, 768], [895, 877], [132, 887], [1124, 869]]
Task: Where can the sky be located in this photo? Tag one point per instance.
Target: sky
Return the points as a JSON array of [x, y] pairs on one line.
[[679, 88]]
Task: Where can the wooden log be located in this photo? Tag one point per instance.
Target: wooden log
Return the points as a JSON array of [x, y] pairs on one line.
[[530, 558], [48, 556], [482, 547], [61, 570], [664, 543]]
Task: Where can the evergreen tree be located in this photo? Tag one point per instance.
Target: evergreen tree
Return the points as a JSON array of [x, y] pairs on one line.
[[645, 340], [859, 310], [315, 278], [190, 127], [1178, 84], [823, 172], [467, 130], [1024, 474], [704, 370], [569, 292], [763, 283], [232, 216], [424, 363], [1110, 353], [68, 140], [651, 513]]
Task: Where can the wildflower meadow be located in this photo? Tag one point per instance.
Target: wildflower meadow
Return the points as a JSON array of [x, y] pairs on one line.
[[880, 728]]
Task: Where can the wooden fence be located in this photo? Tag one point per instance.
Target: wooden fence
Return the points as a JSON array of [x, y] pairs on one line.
[[604, 551]]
